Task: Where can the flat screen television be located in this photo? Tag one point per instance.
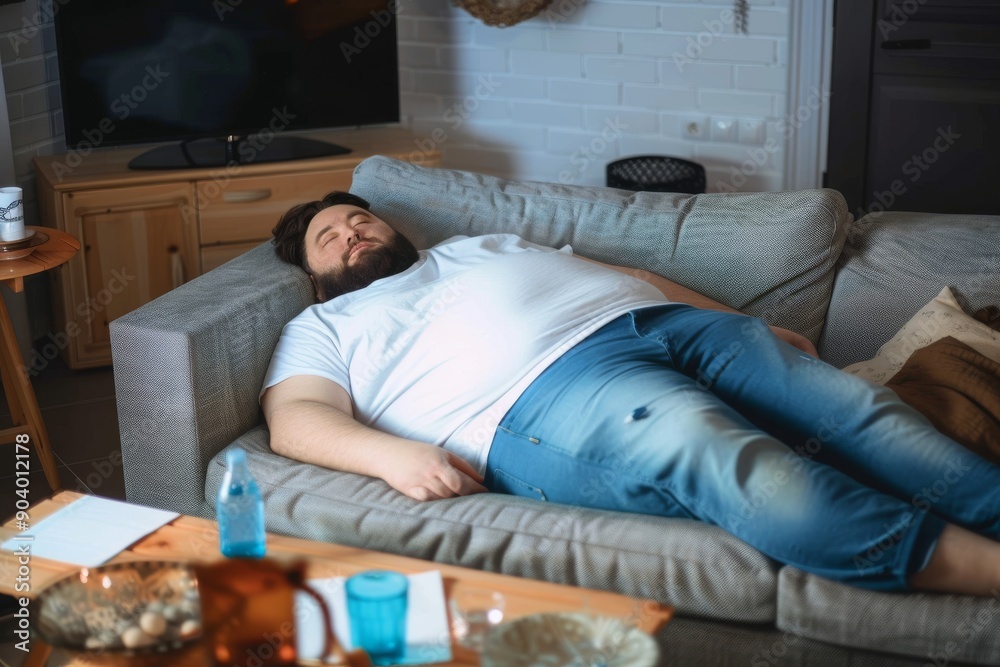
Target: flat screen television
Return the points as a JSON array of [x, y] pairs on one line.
[[225, 78]]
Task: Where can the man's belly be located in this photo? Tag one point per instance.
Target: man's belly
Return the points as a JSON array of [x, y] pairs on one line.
[[461, 345]]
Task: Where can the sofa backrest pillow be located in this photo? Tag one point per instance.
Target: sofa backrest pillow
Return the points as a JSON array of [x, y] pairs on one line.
[[768, 254], [894, 263]]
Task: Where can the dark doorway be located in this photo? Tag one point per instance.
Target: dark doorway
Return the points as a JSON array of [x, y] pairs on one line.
[[915, 110]]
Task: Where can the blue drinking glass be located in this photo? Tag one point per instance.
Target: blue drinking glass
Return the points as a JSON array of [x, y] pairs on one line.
[[376, 605]]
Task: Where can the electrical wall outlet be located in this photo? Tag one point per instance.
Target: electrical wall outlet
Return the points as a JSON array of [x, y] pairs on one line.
[[695, 127]]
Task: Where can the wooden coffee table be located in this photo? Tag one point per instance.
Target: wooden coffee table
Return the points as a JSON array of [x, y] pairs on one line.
[[193, 539]]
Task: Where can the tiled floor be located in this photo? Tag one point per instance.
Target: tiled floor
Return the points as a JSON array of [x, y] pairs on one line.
[[79, 411]]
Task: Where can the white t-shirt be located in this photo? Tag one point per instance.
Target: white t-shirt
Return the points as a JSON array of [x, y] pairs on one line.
[[439, 352]]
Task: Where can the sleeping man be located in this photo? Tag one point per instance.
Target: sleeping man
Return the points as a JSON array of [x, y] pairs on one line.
[[493, 364]]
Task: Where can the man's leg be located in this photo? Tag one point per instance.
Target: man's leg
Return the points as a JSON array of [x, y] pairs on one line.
[[831, 416], [962, 562], [611, 426]]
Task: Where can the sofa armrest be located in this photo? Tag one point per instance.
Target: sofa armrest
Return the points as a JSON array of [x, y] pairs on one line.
[[188, 368]]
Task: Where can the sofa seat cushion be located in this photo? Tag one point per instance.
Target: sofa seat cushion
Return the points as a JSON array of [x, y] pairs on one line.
[[894, 263], [699, 569], [943, 629], [769, 254]]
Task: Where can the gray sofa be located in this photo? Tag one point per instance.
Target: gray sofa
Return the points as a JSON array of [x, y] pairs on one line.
[[188, 367]]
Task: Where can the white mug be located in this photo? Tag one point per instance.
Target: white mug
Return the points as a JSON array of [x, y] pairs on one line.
[[11, 214]]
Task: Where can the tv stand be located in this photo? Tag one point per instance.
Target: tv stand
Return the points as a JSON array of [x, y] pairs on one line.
[[143, 232], [234, 150]]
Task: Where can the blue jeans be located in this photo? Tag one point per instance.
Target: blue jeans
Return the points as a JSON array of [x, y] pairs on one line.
[[682, 412]]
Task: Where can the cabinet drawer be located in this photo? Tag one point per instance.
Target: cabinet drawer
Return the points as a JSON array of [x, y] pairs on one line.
[[248, 208]]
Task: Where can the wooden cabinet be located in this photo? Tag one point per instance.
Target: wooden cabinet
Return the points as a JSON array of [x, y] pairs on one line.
[[915, 110], [142, 233]]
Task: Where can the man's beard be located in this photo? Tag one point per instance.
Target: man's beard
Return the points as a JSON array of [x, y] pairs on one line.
[[375, 262]]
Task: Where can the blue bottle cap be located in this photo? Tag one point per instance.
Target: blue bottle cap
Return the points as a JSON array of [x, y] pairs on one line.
[[235, 455]]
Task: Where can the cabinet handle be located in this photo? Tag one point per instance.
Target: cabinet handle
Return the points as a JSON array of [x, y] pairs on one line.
[[176, 269], [246, 196], [906, 44]]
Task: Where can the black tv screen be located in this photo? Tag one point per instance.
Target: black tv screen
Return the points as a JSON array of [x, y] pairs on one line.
[[144, 71]]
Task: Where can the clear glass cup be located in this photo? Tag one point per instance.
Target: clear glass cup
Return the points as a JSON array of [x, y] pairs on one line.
[[376, 605], [473, 614]]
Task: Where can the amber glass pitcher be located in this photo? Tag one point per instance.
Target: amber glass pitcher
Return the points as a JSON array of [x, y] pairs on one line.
[[248, 614]]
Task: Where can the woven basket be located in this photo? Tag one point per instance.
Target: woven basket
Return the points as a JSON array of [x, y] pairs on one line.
[[503, 13]]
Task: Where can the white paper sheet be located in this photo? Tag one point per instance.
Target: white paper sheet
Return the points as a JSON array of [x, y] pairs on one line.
[[89, 531], [427, 636]]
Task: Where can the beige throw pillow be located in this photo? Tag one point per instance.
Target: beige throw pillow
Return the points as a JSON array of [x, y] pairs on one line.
[[939, 318]]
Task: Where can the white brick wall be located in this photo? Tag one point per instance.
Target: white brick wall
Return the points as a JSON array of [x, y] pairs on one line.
[[667, 70], [31, 76], [589, 81]]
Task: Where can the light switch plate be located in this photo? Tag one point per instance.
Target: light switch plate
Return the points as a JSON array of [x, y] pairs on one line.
[[724, 129], [752, 132]]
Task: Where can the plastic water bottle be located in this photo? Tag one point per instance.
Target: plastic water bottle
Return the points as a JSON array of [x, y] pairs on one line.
[[240, 510]]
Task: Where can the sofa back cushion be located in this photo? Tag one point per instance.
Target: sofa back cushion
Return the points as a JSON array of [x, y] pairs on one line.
[[894, 263], [768, 254]]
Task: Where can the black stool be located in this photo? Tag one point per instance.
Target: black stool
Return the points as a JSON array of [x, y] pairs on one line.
[[656, 173]]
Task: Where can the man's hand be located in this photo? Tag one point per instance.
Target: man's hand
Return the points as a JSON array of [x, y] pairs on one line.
[[796, 340], [426, 472], [312, 420]]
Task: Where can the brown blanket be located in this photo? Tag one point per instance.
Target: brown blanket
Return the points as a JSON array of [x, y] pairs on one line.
[[958, 389]]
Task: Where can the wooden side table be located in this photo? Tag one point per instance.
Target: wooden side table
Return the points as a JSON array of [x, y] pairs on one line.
[[24, 410]]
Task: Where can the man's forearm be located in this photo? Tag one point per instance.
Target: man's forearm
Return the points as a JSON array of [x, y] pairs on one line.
[[317, 433], [322, 434]]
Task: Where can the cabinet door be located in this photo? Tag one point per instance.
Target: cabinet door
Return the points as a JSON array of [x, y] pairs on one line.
[[137, 243]]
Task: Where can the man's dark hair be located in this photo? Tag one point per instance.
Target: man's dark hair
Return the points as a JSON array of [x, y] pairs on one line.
[[290, 232]]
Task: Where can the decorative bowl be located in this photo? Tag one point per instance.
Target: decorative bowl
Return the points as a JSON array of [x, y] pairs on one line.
[[568, 639], [125, 609]]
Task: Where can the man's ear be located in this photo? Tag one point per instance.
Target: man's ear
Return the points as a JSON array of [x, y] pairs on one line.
[[319, 296]]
